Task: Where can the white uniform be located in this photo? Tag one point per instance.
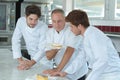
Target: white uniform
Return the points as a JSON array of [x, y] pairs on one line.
[[34, 39], [101, 55], [67, 38]]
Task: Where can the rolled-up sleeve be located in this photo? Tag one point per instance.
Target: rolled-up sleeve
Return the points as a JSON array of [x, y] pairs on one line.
[[73, 41], [77, 63]]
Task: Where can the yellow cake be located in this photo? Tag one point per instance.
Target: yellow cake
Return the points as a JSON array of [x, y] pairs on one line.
[[39, 77]]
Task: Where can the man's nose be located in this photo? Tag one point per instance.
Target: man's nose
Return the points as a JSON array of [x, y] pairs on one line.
[[33, 21], [56, 24]]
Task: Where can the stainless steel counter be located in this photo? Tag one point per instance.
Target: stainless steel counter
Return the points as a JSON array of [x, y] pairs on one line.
[[8, 70], [113, 34], [115, 37]]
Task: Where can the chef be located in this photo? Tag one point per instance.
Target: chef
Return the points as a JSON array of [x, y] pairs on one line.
[[33, 32], [61, 34], [102, 57]]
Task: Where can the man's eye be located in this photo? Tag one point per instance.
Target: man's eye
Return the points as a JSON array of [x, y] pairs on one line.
[[53, 21]]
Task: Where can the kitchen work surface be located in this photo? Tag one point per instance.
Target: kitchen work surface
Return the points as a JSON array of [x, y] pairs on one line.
[[9, 71]]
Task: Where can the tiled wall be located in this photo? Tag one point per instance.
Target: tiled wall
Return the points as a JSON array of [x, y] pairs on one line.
[[109, 28], [50, 26], [115, 39]]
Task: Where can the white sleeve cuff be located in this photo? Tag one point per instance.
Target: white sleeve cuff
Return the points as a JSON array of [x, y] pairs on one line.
[[39, 55], [17, 55]]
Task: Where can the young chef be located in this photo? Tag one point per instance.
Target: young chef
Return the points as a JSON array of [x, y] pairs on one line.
[[61, 34], [101, 55], [33, 31]]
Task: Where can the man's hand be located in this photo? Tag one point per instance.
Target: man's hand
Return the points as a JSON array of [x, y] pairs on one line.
[[26, 64], [50, 54], [50, 71], [61, 74], [55, 72], [20, 60]]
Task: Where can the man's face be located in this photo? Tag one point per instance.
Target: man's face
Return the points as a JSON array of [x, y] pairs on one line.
[[75, 29], [32, 20], [58, 21]]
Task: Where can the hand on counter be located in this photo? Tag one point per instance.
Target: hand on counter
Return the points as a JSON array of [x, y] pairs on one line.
[[25, 64], [55, 72], [49, 71], [61, 74]]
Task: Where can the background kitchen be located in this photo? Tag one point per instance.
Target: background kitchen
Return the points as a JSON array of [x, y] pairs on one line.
[[104, 14]]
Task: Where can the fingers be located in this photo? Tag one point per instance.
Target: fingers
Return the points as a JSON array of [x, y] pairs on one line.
[[23, 67], [56, 74], [61, 74], [49, 71], [53, 72], [45, 72], [25, 62]]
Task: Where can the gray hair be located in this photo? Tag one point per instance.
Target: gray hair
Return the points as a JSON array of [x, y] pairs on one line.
[[58, 11]]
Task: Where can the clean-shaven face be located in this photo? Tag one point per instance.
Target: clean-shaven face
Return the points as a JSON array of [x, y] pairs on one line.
[[32, 20], [75, 29], [58, 21]]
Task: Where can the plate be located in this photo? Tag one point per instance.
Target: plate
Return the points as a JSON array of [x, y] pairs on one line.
[[54, 46]]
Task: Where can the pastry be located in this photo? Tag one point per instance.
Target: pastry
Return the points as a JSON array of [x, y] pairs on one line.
[[56, 46], [39, 77]]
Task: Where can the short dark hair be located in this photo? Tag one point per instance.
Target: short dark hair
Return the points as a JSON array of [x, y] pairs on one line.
[[58, 10], [77, 17], [33, 9]]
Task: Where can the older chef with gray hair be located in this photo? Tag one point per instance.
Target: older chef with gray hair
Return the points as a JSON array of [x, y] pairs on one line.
[[61, 35]]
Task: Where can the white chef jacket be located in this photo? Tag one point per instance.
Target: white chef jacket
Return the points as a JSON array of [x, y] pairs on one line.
[[67, 38], [78, 66], [34, 39], [101, 55]]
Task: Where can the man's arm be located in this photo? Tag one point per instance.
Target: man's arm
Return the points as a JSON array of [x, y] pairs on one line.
[[51, 53], [67, 55], [16, 41]]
